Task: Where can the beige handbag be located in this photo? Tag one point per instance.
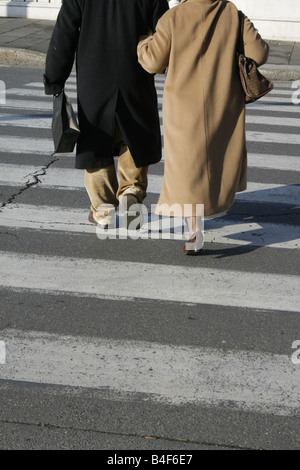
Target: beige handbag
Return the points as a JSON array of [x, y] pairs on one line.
[[254, 84]]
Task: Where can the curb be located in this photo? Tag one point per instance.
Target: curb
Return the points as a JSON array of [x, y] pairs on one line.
[[24, 57], [281, 72], [21, 57]]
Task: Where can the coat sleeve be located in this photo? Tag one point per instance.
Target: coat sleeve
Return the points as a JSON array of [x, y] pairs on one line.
[[255, 47], [154, 51], [62, 47]]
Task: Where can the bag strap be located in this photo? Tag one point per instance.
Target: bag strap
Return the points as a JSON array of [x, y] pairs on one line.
[[241, 32]]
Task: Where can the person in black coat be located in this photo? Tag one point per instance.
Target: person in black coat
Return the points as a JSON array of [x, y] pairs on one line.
[[117, 101]]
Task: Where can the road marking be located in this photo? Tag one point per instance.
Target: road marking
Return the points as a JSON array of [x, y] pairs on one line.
[[221, 230], [128, 280], [272, 121], [43, 122], [36, 92], [68, 86], [30, 105], [274, 162], [29, 121], [279, 108], [260, 192], [15, 175], [273, 137], [70, 179], [25, 145], [177, 375]]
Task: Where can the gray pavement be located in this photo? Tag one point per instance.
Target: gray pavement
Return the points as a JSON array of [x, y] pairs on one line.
[[47, 414], [25, 42]]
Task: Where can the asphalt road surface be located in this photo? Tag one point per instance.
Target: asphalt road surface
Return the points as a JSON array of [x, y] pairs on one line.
[[125, 344]]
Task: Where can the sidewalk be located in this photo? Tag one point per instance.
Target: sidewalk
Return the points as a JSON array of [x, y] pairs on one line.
[[25, 42]]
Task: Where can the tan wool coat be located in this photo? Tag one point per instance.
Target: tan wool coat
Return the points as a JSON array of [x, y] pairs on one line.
[[203, 104]]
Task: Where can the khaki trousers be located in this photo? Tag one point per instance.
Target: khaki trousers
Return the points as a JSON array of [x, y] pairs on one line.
[[104, 189]]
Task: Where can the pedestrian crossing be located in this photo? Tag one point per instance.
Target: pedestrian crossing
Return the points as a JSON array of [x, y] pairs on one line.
[[118, 356], [32, 271], [48, 199]]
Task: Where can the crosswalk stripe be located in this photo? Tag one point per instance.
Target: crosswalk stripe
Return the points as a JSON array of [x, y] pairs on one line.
[[14, 175], [113, 279], [272, 121], [284, 90], [276, 99], [47, 106], [164, 373], [39, 145], [68, 179], [279, 108], [38, 93], [259, 191], [272, 137], [30, 105], [42, 122], [221, 230], [275, 162], [268, 104], [25, 145], [29, 121], [38, 85]]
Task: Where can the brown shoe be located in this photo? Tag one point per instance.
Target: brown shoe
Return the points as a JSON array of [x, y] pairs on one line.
[[93, 221], [91, 218], [129, 215]]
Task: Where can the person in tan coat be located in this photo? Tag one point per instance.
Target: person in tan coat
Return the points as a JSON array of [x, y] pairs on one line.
[[203, 106]]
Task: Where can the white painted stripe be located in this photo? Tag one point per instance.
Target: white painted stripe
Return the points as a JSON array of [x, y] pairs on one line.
[[282, 84], [260, 119], [69, 179], [177, 375], [272, 121], [272, 98], [267, 104], [43, 122], [221, 230], [29, 121], [260, 192], [283, 92], [279, 88], [272, 137], [68, 86], [25, 145], [38, 93], [280, 108], [29, 105], [161, 78], [274, 162], [46, 106], [271, 193], [267, 137], [225, 231], [115, 279], [14, 175]]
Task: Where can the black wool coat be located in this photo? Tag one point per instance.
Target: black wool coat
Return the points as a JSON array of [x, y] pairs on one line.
[[111, 84]]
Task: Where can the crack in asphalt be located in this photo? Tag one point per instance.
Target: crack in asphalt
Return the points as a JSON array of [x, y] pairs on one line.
[[29, 183]]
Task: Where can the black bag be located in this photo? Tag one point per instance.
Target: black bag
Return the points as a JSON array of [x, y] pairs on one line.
[[65, 129], [254, 84]]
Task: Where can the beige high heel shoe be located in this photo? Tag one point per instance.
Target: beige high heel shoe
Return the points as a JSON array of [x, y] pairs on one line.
[[194, 245], [196, 241]]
